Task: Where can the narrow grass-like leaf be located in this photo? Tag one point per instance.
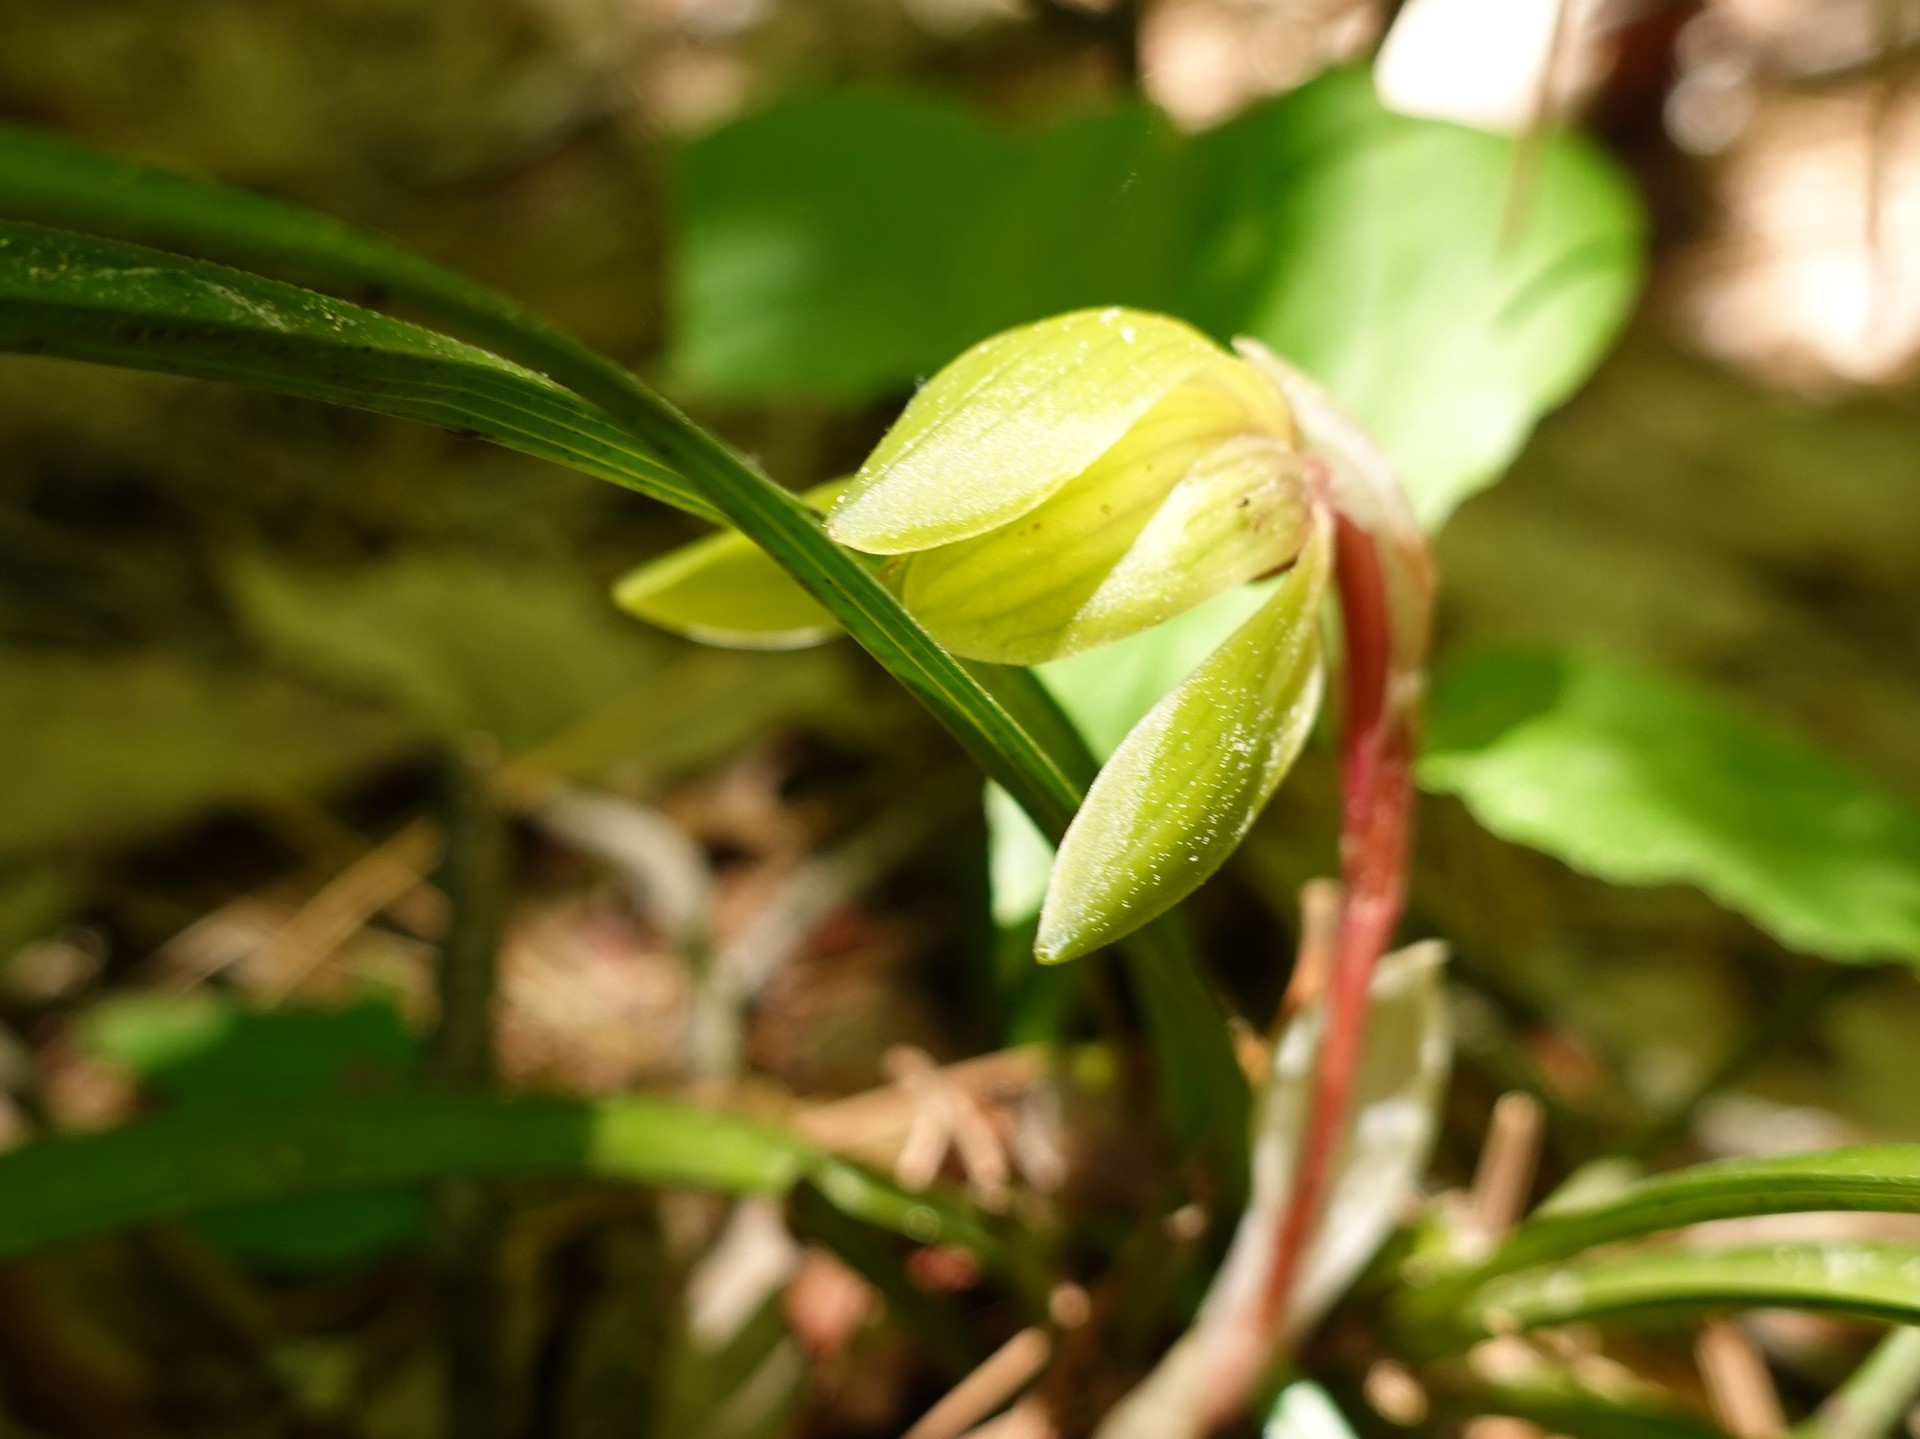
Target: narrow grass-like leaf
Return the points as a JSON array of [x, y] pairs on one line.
[[1862, 1280], [84, 298], [212, 1157], [1879, 1178], [1876, 1178], [1560, 1405], [1011, 421], [1189, 781]]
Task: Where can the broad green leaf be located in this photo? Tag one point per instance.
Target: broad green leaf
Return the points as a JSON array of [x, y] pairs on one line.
[[1859, 1279], [196, 1049], [531, 657], [460, 645], [205, 1159], [843, 245], [1877, 1178], [1641, 780], [1189, 503], [1190, 779], [726, 590], [833, 247], [90, 299], [1373, 251], [1009, 422], [106, 750], [1389, 1136]]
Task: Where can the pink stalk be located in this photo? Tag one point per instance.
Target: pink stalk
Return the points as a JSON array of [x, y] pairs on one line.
[[1385, 579], [1376, 828]]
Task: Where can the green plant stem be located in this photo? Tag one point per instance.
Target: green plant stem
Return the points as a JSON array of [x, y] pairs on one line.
[[1875, 1398], [467, 1215], [473, 873]]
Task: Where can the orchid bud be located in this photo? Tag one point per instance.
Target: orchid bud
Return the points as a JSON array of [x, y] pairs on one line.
[[1061, 486], [1075, 481]]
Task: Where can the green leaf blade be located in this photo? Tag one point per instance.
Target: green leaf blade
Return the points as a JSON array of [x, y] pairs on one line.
[[217, 1156], [1367, 247], [1872, 1178], [1641, 780], [1858, 1279], [1387, 271], [78, 297]]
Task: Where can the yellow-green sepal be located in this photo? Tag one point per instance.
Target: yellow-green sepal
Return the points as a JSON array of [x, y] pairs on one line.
[[1198, 497], [726, 590], [1011, 421], [1187, 783]]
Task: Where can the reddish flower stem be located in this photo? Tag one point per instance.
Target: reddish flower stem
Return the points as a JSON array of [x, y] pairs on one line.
[[1383, 651]]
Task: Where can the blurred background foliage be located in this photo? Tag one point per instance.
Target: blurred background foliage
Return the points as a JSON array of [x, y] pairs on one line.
[[239, 635]]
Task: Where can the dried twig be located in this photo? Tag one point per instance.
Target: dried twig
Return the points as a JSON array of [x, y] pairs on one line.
[[1003, 1374], [1320, 901], [383, 876], [1504, 1177], [1738, 1383]]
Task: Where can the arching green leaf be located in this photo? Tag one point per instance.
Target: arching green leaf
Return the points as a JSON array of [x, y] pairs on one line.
[[1004, 719], [1875, 1178], [90, 299], [1642, 780], [209, 1157], [1863, 1280]]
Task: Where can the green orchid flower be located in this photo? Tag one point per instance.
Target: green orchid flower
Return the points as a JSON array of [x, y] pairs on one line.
[[1061, 486]]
